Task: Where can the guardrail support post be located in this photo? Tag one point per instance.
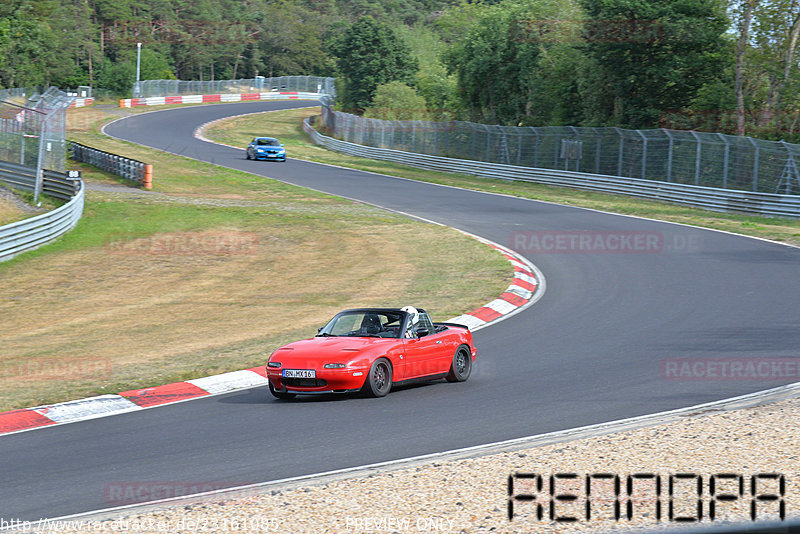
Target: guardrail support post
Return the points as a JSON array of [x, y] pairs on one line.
[[148, 177]]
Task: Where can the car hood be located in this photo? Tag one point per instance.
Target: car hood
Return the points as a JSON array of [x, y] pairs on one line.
[[333, 348]]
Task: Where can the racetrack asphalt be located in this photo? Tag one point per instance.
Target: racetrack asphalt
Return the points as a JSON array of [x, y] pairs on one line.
[[593, 349]]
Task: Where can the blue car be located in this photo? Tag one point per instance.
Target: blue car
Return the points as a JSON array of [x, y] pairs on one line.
[[266, 148]]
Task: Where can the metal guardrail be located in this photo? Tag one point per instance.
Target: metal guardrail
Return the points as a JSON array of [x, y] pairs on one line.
[[28, 234], [55, 184], [130, 169], [726, 200], [676, 156]]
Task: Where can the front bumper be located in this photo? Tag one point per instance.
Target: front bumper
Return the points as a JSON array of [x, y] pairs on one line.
[[336, 381], [265, 155]]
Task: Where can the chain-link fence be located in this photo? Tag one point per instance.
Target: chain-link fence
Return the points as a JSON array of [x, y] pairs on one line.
[[33, 130], [677, 156], [259, 84]]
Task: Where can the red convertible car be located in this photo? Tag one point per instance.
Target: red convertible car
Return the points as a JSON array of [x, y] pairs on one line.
[[369, 350]]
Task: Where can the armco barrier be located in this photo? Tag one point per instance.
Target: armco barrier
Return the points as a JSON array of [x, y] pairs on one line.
[[81, 102], [705, 197], [55, 184], [29, 234], [203, 99], [130, 169]]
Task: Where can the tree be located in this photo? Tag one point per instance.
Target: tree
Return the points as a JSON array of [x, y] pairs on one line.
[[653, 55], [368, 54], [495, 64], [396, 101]]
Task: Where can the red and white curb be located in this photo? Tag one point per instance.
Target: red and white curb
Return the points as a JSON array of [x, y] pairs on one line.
[[128, 401], [206, 99], [526, 288], [81, 102]]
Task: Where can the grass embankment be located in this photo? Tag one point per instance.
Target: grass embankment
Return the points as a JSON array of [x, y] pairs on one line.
[[9, 212], [286, 125], [209, 274]]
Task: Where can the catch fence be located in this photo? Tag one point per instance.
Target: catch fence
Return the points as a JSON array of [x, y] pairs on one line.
[[673, 156], [259, 84]]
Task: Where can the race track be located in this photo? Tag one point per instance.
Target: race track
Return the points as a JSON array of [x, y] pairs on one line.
[[590, 351]]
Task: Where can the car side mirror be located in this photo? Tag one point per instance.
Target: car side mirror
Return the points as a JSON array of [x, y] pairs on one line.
[[422, 332], [320, 329]]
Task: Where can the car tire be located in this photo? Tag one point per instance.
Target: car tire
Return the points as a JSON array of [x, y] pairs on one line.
[[379, 380], [279, 394], [461, 367], [247, 154]]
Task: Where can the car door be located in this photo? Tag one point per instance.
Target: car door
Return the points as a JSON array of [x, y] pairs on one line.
[[420, 356]]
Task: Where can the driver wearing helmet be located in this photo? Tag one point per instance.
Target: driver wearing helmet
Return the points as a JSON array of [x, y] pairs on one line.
[[412, 311]]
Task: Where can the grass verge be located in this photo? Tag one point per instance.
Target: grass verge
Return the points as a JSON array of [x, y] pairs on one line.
[[286, 125], [209, 274], [9, 211]]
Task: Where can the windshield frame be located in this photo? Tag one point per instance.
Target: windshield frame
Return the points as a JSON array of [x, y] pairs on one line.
[[393, 324]]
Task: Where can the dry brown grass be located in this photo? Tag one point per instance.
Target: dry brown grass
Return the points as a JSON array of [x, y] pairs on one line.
[[9, 212]]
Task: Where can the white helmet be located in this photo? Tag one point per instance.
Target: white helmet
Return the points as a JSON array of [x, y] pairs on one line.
[[411, 310]]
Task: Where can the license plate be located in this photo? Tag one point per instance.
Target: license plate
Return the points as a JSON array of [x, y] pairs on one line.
[[299, 373]]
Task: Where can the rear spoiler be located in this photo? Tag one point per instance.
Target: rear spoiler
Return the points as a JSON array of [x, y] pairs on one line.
[[457, 325]]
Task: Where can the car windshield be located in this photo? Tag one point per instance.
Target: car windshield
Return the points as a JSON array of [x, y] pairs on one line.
[[267, 142], [364, 323]]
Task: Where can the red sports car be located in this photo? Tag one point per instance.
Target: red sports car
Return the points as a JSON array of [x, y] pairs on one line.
[[369, 350]]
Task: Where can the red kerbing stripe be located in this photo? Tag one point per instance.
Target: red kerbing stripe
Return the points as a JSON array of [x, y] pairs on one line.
[[173, 100], [288, 92], [293, 97], [163, 394], [212, 98], [251, 96], [261, 370], [21, 420], [513, 298], [486, 314], [523, 270], [523, 284]]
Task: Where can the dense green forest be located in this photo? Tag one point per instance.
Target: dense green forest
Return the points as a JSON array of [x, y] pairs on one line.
[[716, 65]]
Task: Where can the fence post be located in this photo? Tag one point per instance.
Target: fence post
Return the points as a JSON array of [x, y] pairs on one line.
[[148, 176], [619, 157], [556, 144], [697, 157], [725, 161], [597, 155], [488, 141], [580, 151], [644, 154], [535, 147], [37, 189], [669, 153], [755, 163]]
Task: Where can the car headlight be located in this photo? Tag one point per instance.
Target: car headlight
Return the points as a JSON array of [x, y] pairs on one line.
[[273, 364], [334, 366]]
